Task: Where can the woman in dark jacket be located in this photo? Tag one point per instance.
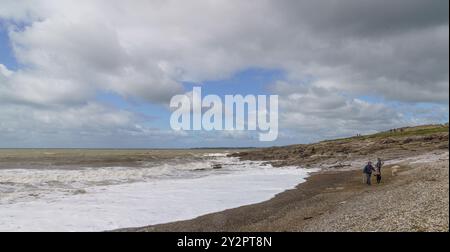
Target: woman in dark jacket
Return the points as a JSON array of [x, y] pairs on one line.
[[378, 166]]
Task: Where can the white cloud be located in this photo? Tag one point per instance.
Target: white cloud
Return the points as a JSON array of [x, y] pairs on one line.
[[71, 50], [326, 113], [90, 125], [132, 47]]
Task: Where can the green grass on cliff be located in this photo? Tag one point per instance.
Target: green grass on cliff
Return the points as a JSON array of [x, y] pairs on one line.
[[402, 132]]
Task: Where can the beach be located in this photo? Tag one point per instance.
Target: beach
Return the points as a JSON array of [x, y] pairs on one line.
[[413, 198], [305, 187]]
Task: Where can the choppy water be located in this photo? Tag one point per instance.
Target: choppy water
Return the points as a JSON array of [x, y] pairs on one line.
[[92, 190]]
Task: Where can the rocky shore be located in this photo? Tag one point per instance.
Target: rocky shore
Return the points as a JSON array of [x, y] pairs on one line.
[[354, 151]]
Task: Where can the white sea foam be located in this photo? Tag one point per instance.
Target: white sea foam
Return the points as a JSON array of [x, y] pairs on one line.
[[27, 184], [98, 207], [216, 154]]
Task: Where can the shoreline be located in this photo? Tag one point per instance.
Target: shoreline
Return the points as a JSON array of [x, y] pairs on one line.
[[416, 199]]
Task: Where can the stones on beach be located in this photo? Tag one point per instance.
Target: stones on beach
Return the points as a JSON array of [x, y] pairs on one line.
[[339, 188], [388, 141], [407, 140], [398, 205], [340, 165], [216, 166], [79, 191]]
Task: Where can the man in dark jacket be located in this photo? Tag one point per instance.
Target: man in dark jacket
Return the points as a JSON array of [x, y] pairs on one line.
[[368, 169]]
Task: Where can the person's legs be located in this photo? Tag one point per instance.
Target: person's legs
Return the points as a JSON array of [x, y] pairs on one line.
[[378, 178], [368, 175]]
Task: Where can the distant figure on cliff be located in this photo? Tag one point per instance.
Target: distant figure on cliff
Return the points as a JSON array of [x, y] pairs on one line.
[[378, 166], [368, 169]]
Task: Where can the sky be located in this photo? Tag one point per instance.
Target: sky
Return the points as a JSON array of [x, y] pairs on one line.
[[101, 73]]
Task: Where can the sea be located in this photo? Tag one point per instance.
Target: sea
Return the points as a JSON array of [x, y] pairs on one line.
[[96, 190]]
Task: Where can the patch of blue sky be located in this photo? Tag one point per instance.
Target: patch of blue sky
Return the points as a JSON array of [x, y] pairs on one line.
[[428, 112], [421, 112], [372, 99], [253, 81], [151, 115], [7, 57]]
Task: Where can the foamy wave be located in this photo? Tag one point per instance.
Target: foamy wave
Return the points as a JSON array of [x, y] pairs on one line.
[[28, 184], [215, 154], [143, 203]]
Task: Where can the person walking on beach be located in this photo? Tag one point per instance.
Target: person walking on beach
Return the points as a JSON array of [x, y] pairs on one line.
[[368, 169], [378, 166]]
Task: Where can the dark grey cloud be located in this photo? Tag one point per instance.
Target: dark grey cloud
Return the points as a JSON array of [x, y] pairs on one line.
[[361, 18]]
